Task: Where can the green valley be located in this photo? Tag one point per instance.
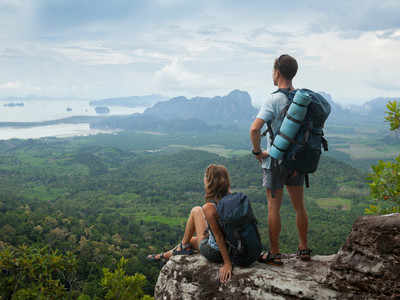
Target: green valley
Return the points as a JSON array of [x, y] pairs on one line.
[[105, 197]]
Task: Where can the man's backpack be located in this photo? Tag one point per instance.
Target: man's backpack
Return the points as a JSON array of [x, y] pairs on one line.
[[304, 150], [239, 225]]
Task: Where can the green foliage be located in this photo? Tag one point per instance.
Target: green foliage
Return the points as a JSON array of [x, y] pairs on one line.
[[36, 273], [393, 115], [385, 178], [104, 197], [120, 286], [385, 185]]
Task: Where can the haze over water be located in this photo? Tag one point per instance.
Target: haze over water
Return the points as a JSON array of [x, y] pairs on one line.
[[46, 110]]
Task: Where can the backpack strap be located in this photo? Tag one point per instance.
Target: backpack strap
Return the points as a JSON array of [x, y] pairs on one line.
[[285, 91], [324, 143], [290, 140], [307, 180]]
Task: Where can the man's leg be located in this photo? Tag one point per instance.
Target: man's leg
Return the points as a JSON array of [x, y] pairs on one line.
[[274, 219], [296, 194]]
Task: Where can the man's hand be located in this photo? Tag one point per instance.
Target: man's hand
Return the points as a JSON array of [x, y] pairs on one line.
[[255, 138], [263, 155]]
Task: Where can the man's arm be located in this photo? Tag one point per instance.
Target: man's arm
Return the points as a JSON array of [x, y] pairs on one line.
[[255, 137]]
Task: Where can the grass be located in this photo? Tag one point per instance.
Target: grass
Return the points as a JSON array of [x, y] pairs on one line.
[[363, 151], [216, 149], [43, 193], [335, 202], [171, 221]]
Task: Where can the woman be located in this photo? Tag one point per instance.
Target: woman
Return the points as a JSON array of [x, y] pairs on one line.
[[209, 238]]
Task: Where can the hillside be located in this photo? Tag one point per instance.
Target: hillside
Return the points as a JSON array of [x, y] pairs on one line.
[[103, 202], [233, 108]]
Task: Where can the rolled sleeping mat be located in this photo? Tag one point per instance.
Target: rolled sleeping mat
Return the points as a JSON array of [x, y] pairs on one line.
[[291, 124]]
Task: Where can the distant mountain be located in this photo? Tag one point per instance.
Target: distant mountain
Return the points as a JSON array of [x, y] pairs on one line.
[[132, 101], [150, 123], [231, 111], [234, 108], [376, 106], [372, 111], [181, 114]]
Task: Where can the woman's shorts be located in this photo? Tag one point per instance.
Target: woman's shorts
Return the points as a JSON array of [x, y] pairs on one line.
[[209, 252]]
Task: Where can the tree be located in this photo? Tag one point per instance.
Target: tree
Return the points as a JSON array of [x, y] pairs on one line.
[[119, 285], [385, 178], [36, 273]]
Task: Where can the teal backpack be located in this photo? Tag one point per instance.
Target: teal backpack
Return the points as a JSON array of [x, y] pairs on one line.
[[304, 150]]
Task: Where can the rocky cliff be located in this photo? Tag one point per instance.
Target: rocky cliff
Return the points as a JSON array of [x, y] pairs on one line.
[[366, 267], [233, 108]]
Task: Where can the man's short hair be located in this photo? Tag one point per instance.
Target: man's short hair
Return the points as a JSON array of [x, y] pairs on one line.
[[286, 65]]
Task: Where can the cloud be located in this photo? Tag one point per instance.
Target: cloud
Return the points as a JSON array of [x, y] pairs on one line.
[[382, 80], [10, 85], [12, 5], [71, 13], [177, 78], [354, 16], [129, 47], [392, 34]]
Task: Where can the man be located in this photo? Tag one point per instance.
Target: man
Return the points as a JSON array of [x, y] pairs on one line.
[[285, 68]]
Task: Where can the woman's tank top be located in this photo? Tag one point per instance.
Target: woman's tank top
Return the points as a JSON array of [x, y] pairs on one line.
[[211, 237]]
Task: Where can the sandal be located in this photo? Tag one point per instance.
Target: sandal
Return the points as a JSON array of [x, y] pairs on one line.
[[304, 254], [187, 250], [157, 258], [271, 259]]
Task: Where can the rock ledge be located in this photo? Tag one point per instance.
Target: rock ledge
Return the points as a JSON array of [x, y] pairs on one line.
[[366, 267]]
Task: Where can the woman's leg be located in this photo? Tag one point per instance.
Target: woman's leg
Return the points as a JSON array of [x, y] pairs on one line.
[[196, 223]]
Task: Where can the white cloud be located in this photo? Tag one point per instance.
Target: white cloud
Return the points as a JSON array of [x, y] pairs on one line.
[[10, 85], [169, 46], [174, 77], [12, 3]]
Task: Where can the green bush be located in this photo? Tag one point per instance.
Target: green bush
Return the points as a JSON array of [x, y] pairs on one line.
[[36, 273], [385, 178], [120, 286]]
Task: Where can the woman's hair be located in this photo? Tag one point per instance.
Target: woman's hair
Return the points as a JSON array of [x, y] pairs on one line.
[[217, 182]]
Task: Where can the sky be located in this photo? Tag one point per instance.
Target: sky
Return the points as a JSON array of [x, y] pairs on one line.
[[99, 49]]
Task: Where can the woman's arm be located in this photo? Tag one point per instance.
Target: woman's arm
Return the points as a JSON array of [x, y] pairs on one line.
[[211, 215]]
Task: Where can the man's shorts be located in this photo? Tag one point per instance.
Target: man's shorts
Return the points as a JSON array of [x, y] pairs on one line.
[[274, 179]]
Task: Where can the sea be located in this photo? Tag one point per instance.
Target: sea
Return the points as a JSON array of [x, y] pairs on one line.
[[47, 110]]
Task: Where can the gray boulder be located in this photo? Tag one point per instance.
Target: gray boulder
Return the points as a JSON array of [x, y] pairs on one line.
[[369, 261], [366, 267]]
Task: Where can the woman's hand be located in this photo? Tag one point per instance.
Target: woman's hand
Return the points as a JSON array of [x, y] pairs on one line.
[[225, 273]]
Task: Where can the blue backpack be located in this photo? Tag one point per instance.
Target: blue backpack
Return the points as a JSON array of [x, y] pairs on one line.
[[239, 225], [304, 151]]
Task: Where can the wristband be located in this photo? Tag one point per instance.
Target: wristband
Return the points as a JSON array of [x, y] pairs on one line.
[[256, 153]]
